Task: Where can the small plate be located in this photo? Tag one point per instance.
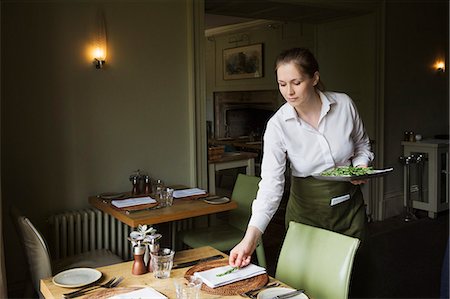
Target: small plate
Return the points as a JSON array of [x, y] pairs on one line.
[[113, 195], [217, 200], [75, 278], [270, 293], [348, 178]]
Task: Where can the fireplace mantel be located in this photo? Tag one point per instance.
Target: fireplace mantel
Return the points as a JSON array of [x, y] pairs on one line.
[[260, 104]]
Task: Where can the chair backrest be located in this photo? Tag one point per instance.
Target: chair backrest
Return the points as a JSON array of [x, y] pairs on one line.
[[35, 248], [244, 192], [317, 260]]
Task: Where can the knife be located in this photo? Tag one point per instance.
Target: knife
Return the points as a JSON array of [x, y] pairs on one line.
[[195, 262], [289, 295]]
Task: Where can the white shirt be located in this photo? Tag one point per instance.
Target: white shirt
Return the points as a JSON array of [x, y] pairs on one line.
[[340, 140]]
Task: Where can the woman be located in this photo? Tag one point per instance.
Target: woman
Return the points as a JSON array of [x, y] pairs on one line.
[[316, 131]]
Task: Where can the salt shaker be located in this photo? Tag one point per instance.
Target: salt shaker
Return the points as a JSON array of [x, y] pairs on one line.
[[138, 264]]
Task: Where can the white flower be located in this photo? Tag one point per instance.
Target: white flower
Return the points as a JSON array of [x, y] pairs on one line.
[[143, 235]]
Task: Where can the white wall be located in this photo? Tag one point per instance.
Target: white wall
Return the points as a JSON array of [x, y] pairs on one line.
[[70, 130]]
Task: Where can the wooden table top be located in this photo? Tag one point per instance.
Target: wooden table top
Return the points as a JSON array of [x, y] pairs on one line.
[[182, 208], [234, 156], [164, 286], [255, 145]]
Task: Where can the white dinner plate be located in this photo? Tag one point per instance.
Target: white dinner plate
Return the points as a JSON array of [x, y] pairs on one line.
[[272, 292], [75, 278], [217, 200], [347, 178]]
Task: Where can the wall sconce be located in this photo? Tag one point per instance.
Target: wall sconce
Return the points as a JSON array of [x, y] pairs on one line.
[[439, 66], [100, 46], [99, 57]]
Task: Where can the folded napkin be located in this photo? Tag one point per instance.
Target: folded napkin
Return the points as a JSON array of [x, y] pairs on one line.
[[188, 192], [210, 278], [129, 202], [142, 293]]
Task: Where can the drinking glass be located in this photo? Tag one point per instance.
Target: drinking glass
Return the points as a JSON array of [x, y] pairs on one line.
[[162, 262], [168, 197], [188, 288]]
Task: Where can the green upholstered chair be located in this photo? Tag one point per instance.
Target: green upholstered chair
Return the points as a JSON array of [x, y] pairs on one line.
[[316, 260], [224, 236]]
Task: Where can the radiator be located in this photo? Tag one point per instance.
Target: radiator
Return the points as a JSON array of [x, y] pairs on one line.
[[84, 230]]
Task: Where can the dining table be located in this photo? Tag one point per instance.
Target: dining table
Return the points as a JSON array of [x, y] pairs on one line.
[[132, 282], [181, 209]]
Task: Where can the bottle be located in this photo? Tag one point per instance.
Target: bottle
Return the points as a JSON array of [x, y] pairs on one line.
[[138, 264]]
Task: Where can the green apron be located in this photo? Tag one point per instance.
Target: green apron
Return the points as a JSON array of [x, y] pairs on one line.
[[309, 203]]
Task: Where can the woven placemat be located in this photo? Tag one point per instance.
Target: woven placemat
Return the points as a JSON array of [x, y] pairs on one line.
[[231, 289]]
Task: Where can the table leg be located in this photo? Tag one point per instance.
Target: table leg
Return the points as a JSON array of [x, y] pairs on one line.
[[212, 179], [173, 228], [250, 170]]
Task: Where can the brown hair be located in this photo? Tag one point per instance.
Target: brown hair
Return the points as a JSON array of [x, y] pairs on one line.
[[303, 59]]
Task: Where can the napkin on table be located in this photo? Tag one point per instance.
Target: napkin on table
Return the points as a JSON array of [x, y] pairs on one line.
[[149, 293], [188, 192], [129, 202], [210, 278]]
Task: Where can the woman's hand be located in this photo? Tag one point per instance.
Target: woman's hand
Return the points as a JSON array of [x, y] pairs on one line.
[[241, 254], [359, 182]]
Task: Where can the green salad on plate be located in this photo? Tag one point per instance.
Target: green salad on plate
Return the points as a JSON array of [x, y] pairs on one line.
[[348, 171]]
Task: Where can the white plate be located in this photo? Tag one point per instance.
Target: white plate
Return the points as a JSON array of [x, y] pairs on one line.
[[272, 292], [217, 201], [347, 178], [75, 278]]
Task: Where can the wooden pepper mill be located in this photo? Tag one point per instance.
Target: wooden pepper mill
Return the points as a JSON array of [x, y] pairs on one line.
[[138, 264]]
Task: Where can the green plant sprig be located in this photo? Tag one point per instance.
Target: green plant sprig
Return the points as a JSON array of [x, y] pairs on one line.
[[227, 272]]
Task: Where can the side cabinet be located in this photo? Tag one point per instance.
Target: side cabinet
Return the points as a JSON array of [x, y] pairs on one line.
[[429, 180]]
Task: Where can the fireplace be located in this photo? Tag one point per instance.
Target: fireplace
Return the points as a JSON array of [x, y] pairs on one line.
[[243, 113]]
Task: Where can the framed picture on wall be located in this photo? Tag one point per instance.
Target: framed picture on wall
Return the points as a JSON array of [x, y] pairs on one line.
[[243, 62]]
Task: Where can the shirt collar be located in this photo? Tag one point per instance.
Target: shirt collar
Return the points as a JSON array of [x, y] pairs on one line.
[[327, 100]]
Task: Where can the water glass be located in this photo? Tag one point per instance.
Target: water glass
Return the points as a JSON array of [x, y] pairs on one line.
[[162, 262], [188, 288], [168, 197], [165, 197]]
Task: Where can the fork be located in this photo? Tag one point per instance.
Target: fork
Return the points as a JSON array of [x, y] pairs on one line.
[[89, 286], [253, 293], [116, 283], [109, 284]]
